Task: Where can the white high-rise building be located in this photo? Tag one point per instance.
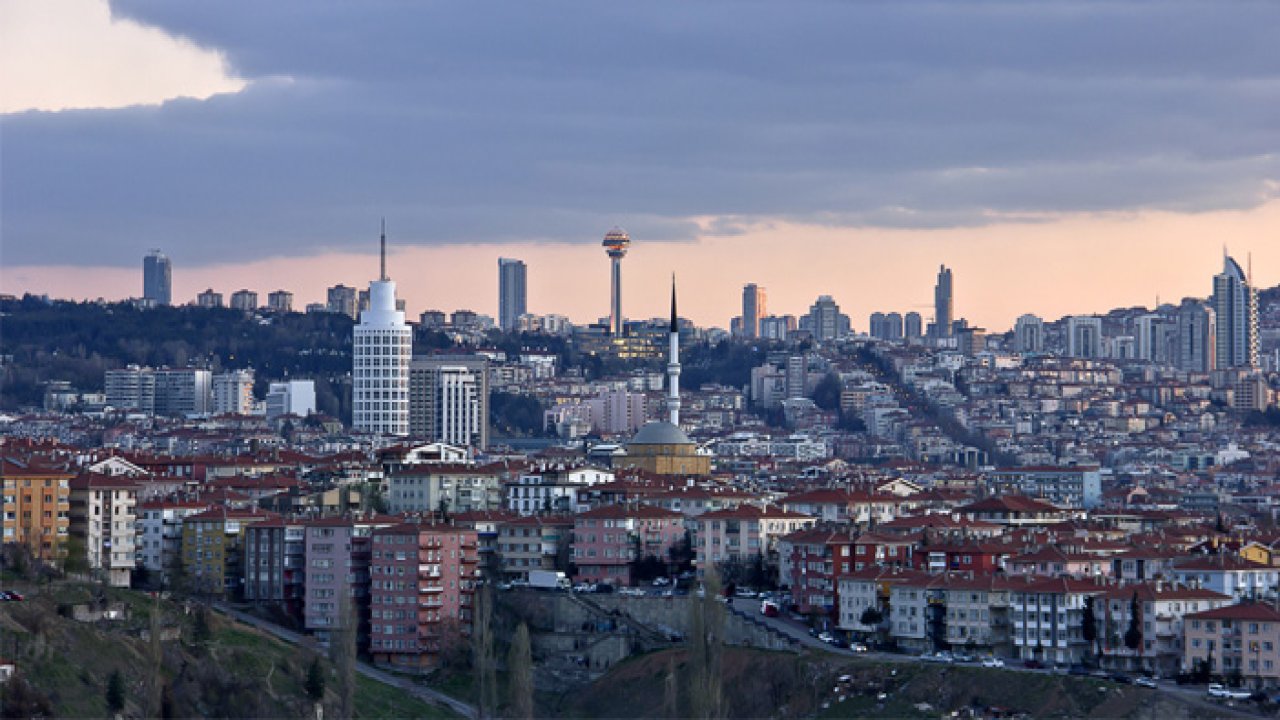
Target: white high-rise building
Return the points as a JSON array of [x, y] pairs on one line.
[[233, 393], [383, 347]]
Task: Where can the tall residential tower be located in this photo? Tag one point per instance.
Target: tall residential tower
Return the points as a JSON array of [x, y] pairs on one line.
[[157, 278], [511, 294], [1235, 305], [753, 309], [382, 350], [943, 310]]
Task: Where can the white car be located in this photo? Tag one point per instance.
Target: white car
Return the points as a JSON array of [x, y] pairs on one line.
[[993, 662], [1145, 682], [858, 647], [1226, 693]]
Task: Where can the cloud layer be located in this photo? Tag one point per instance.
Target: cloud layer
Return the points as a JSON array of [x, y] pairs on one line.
[[475, 122]]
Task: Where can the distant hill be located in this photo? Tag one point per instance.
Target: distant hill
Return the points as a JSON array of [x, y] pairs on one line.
[[78, 342]]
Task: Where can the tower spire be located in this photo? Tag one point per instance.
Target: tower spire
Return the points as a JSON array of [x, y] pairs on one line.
[[675, 327], [382, 256], [673, 363]]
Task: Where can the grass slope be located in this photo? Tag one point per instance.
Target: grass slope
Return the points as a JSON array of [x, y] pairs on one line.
[[239, 672]]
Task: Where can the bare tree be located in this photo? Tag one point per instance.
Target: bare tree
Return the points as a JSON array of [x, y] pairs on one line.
[[520, 676], [342, 651], [482, 661], [706, 649], [156, 653], [671, 691]]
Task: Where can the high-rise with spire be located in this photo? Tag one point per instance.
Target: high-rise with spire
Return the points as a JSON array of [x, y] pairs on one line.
[[382, 349], [1235, 305]]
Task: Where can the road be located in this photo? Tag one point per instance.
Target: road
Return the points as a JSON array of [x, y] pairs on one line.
[[1194, 695], [422, 693]]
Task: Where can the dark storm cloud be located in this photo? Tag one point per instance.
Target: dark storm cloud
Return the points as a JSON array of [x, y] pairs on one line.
[[477, 122]]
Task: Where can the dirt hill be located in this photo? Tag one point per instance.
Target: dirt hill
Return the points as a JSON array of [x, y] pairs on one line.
[[759, 684]]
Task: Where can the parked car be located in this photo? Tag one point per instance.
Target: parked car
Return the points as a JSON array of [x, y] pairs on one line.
[[993, 662], [745, 593], [939, 657], [826, 637], [769, 608], [1121, 678], [1033, 664], [964, 657], [1146, 683], [1225, 693], [584, 587], [858, 647]]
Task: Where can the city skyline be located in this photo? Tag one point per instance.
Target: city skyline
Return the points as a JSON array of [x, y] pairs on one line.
[[798, 168]]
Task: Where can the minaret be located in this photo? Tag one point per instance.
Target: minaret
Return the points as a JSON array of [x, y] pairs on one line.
[[673, 364]]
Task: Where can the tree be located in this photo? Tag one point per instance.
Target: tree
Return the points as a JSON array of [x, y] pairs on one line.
[[482, 653], [115, 693], [1089, 628], [342, 651], [871, 617], [315, 680], [75, 559], [1133, 636], [200, 632], [156, 651], [826, 394], [18, 699], [520, 676], [706, 648]]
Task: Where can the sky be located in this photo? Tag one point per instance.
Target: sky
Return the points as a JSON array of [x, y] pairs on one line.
[[1061, 157]]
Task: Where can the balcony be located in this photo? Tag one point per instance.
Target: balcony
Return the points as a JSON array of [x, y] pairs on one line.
[[430, 588], [432, 602]]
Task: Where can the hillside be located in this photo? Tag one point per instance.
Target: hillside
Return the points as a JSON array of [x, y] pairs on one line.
[[784, 685], [231, 671], [77, 342]]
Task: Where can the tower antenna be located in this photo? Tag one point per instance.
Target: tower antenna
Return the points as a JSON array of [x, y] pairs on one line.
[[383, 251]]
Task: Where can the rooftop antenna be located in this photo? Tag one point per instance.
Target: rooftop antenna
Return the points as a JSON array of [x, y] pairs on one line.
[[383, 256]]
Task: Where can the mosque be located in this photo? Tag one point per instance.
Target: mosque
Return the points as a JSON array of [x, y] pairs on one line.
[[661, 447]]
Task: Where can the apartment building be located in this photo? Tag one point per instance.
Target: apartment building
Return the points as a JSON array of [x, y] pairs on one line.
[[422, 580], [607, 539], [213, 550], [159, 537], [103, 512], [1239, 639], [37, 505], [744, 531], [535, 542], [275, 564]]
